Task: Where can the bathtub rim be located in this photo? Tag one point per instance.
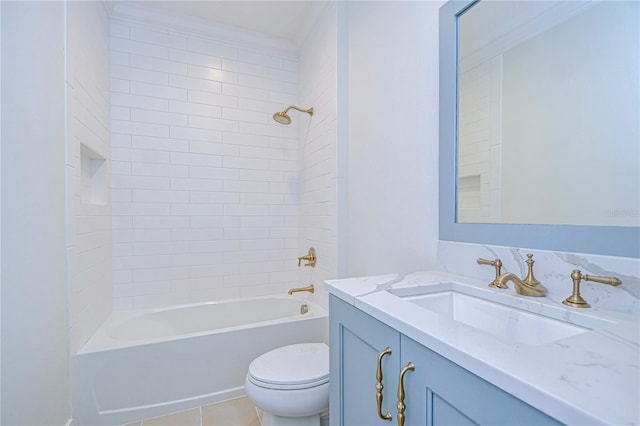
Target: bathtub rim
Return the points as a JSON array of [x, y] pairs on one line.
[[101, 341]]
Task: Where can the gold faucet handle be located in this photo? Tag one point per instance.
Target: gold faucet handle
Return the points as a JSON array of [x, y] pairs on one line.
[[576, 299], [309, 257], [530, 280], [482, 261], [497, 263], [614, 281]]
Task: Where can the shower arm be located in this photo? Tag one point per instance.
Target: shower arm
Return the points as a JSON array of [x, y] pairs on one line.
[[308, 111]]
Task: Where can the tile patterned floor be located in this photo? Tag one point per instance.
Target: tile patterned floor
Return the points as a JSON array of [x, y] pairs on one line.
[[235, 412]]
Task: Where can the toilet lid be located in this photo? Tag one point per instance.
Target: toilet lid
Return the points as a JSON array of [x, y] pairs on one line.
[[293, 366]]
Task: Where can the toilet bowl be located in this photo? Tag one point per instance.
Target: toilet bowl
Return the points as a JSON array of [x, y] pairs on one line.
[[290, 384]]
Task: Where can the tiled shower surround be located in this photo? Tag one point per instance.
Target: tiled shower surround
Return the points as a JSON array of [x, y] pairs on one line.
[[89, 211], [205, 184]]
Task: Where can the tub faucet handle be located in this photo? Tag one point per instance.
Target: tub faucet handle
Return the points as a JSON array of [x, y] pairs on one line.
[[309, 257]]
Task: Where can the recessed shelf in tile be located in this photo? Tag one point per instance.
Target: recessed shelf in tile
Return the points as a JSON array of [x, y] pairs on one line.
[[93, 176], [469, 192]]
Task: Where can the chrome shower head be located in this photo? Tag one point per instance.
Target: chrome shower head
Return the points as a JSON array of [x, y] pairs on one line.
[[283, 118]]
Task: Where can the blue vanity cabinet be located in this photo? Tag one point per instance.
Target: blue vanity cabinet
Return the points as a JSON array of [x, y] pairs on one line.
[[356, 341], [440, 392], [437, 392]]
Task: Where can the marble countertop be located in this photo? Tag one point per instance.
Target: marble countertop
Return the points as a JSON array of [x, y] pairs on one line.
[[588, 378]]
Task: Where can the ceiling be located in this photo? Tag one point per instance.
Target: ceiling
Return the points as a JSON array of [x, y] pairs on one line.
[[282, 19]]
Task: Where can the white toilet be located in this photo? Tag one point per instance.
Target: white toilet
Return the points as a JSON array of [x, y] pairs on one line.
[[290, 384]]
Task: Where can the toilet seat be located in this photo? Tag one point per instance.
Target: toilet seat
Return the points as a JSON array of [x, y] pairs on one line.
[[291, 367]]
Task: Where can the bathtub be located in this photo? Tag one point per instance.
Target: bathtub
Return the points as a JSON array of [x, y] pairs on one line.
[[143, 364]]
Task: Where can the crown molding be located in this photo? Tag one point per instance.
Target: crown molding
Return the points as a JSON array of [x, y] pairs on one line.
[[310, 21], [497, 39], [200, 27]]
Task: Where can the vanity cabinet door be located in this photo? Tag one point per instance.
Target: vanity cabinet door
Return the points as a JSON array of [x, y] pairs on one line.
[[440, 392], [356, 341]]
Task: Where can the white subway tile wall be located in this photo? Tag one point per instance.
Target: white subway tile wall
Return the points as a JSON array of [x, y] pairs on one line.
[[205, 183], [318, 176], [89, 221], [479, 171]]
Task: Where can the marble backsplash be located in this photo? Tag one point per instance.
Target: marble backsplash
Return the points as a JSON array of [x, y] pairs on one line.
[[553, 270]]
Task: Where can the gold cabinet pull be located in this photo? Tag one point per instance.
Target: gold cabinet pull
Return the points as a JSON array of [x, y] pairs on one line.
[[380, 386], [400, 406]]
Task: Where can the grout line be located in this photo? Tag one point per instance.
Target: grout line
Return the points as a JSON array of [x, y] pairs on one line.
[[257, 411]]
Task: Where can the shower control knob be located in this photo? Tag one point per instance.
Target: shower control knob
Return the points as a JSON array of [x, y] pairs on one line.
[[310, 258]]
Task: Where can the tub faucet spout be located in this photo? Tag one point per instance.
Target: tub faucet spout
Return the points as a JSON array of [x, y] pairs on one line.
[[309, 288]]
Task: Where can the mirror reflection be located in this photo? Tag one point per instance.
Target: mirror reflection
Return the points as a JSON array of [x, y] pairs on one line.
[[548, 113]]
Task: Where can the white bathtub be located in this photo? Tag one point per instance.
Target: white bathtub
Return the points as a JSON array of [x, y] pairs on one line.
[[143, 364]]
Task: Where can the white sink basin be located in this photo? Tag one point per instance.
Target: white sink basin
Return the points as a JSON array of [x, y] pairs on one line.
[[503, 321]]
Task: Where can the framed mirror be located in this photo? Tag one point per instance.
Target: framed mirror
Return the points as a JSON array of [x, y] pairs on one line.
[[539, 125]]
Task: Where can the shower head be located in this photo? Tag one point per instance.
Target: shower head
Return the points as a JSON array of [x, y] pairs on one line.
[[283, 118]]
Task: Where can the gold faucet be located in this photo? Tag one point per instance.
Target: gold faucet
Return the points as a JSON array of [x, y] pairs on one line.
[[310, 258], [528, 286], [498, 265], [575, 299], [309, 288]]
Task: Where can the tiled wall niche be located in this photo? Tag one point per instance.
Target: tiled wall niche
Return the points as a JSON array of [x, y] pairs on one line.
[[93, 176], [205, 183]]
